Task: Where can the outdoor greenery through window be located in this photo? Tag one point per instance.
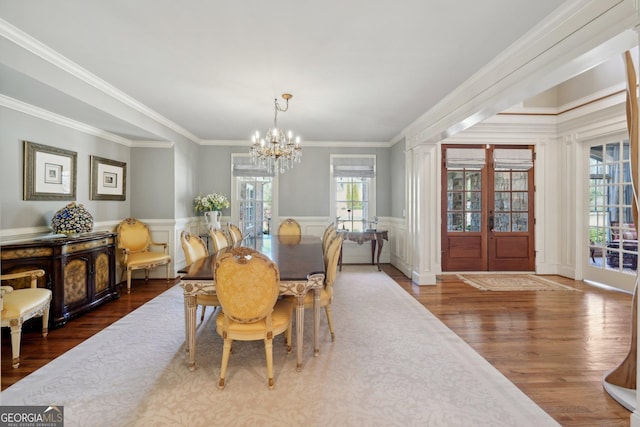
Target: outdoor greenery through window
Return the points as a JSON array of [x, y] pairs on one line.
[[353, 191], [613, 241], [352, 204]]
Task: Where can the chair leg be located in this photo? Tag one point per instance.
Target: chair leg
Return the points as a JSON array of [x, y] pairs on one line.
[[204, 307], [128, 281], [287, 335], [226, 349], [16, 333], [327, 310], [268, 349], [45, 319]]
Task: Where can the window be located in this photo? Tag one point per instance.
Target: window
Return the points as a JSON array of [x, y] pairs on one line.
[[464, 189], [253, 204], [613, 241], [353, 191]]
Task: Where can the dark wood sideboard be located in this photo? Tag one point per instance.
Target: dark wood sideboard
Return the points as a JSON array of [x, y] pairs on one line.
[[80, 270]]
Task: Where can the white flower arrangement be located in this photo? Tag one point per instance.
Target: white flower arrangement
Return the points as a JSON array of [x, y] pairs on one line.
[[211, 202]]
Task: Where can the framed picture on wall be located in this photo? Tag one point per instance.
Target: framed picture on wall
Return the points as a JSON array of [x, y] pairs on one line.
[[49, 173], [108, 179]]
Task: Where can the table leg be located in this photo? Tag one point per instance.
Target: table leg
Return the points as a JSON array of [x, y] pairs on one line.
[[380, 243], [340, 256], [373, 250], [299, 329], [190, 319], [316, 320]]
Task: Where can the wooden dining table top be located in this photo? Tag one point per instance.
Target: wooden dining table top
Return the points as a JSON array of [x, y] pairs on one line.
[[296, 257]]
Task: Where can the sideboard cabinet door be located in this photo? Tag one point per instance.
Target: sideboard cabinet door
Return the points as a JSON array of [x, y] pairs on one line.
[[80, 271]]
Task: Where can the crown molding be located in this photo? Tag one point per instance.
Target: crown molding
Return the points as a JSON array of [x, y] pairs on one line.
[[40, 113], [324, 144], [44, 52], [152, 144], [578, 35]]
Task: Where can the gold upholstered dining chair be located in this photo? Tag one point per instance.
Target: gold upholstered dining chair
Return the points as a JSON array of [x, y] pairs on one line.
[[331, 269], [289, 227], [135, 243], [234, 233], [327, 237], [247, 285], [218, 239], [194, 249], [20, 305]]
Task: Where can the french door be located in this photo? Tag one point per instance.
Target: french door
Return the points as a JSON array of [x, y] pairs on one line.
[[487, 208]]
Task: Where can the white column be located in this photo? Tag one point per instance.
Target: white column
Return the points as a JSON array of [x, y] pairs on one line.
[[424, 214]]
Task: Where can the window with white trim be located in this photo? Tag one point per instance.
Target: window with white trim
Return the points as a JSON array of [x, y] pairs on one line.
[[613, 241], [353, 191]]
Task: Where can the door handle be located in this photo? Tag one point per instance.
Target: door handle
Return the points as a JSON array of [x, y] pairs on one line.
[[490, 222]]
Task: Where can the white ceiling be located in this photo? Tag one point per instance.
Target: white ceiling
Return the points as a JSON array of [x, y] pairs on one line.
[[358, 70]]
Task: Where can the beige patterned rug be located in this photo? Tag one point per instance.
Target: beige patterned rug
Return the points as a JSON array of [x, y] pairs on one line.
[[393, 363], [513, 282]]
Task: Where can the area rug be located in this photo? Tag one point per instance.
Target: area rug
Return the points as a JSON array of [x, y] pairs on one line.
[[513, 282], [393, 363]]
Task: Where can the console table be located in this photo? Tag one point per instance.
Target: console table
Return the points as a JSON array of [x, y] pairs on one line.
[[80, 271], [377, 238]]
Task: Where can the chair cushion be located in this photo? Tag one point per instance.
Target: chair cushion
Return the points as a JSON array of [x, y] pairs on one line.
[[19, 302], [280, 319], [145, 258], [207, 300]]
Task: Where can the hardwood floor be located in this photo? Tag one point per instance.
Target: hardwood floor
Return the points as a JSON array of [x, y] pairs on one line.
[[554, 346], [36, 351]]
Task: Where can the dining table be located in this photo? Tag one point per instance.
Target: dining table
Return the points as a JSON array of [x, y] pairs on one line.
[[300, 263]]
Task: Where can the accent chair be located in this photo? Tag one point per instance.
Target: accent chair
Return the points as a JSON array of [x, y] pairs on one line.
[[20, 305], [135, 243]]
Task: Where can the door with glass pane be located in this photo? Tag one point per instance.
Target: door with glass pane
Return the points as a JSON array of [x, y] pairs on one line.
[[487, 208], [255, 203]]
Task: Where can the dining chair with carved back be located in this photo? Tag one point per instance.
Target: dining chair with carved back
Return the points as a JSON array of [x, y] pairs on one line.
[[327, 237], [219, 239], [289, 227], [194, 249], [247, 285], [326, 293], [234, 233]]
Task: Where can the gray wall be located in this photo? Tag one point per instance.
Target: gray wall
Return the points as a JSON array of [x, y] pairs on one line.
[[152, 183], [186, 177], [162, 182], [16, 127], [397, 167]]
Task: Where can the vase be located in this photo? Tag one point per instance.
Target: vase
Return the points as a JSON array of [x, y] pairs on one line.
[[212, 218], [72, 220]]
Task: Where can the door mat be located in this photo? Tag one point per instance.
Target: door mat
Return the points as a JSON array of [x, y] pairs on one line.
[[513, 282]]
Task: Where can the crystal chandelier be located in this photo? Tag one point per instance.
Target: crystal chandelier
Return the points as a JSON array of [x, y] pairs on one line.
[[276, 152]]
